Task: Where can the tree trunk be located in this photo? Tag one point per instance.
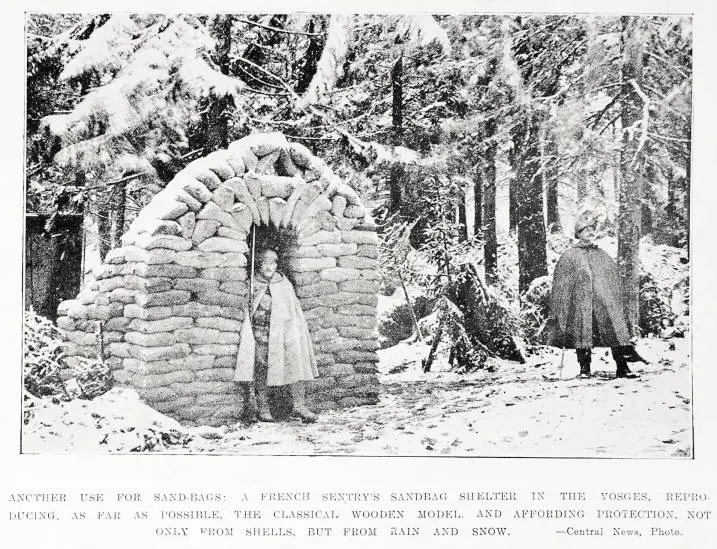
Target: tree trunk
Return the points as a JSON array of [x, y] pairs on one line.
[[317, 23], [645, 219], [396, 173], [118, 215], [616, 180], [631, 177], [551, 153], [615, 166], [581, 186], [110, 217], [490, 239], [462, 218], [672, 225], [478, 200], [513, 201], [688, 202], [395, 179], [532, 262], [671, 206], [648, 194], [218, 123], [89, 218], [104, 231], [687, 186], [551, 184], [220, 106]]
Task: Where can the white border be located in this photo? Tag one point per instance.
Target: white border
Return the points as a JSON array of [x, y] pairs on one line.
[[237, 474]]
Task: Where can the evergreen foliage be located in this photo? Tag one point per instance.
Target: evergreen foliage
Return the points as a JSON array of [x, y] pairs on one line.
[[45, 371], [411, 111]]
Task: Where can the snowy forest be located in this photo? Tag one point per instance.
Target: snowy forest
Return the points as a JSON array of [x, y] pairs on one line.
[[475, 141]]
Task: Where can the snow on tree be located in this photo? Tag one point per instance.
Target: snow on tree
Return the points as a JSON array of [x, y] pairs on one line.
[[527, 110], [330, 65], [148, 75]]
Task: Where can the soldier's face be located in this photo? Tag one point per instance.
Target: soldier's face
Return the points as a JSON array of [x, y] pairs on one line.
[[268, 263], [587, 235]]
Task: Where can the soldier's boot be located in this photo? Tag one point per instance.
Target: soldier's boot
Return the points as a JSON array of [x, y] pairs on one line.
[[250, 404], [262, 394], [623, 371], [298, 395], [584, 359], [629, 353], [263, 403]]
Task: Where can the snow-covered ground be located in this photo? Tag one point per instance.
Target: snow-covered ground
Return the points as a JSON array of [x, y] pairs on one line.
[[516, 410], [116, 421], [532, 409]]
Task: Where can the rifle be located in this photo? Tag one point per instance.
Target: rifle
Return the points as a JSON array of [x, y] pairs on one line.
[[251, 271]]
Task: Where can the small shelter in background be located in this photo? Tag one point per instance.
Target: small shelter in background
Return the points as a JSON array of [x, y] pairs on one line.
[[169, 302], [53, 261]]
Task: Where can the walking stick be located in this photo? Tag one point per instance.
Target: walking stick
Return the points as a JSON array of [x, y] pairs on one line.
[[251, 272], [562, 350], [562, 361], [250, 410]]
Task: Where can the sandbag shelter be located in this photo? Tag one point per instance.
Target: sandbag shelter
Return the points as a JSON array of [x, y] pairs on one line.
[[165, 309]]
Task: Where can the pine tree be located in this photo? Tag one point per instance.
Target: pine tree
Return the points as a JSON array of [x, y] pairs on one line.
[[150, 73], [396, 172], [220, 106], [490, 247], [631, 164], [396, 104], [527, 193], [532, 261]]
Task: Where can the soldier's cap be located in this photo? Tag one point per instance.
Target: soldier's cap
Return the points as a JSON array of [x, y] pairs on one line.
[[585, 219]]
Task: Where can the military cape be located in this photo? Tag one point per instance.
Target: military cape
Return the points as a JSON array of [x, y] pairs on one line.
[[586, 308], [291, 353]]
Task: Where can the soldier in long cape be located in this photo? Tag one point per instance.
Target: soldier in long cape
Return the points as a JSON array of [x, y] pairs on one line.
[[586, 308], [275, 347]]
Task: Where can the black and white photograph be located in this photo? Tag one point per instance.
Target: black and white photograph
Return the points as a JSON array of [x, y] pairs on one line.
[[400, 234]]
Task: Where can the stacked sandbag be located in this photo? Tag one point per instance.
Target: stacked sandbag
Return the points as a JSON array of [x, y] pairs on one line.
[[165, 309], [337, 288], [169, 331]]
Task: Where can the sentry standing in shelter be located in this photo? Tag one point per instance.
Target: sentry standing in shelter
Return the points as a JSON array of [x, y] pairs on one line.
[[275, 347], [586, 307]]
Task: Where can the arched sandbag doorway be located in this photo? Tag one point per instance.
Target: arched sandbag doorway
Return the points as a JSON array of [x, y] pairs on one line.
[[169, 302]]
